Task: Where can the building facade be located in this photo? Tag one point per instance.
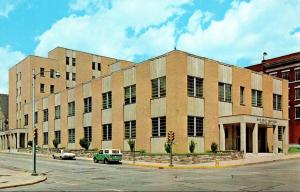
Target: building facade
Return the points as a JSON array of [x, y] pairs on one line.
[[3, 118], [287, 67], [197, 98]]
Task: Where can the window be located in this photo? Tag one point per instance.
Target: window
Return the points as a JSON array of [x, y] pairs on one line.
[[280, 132], [17, 77], [87, 105], [71, 135], [93, 65], [277, 102], [42, 72], [57, 136], [195, 126], [285, 75], [26, 119], [67, 76], [71, 108], [51, 88], [224, 92], [45, 138], [88, 133], [195, 86], [20, 90], [256, 98], [73, 76], [159, 127], [42, 88], [45, 115], [297, 93], [158, 87], [67, 60], [20, 76], [297, 112], [99, 66], [130, 129], [74, 62], [51, 73], [130, 94], [274, 74], [242, 89], [36, 117], [57, 112], [297, 74], [106, 100], [106, 132]]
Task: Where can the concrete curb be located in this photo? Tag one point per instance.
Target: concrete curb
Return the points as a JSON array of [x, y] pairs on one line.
[[43, 178]]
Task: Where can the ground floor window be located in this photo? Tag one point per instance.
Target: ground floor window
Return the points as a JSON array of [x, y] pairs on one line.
[[45, 138], [71, 135], [195, 126], [88, 133], [57, 136], [280, 133], [159, 127], [106, 132], [130, 129]]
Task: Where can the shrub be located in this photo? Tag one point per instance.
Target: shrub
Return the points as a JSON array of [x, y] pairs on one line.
[[142, 151], [29, 143], [214, 147], [192, 146], [55, 143], [131, 144], [168, 147], [84, 143]]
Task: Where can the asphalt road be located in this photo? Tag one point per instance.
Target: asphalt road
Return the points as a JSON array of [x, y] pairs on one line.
[[87, 176]]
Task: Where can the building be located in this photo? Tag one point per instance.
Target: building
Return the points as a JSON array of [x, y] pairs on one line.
[[3, 118], [287, 67], [198, 98]]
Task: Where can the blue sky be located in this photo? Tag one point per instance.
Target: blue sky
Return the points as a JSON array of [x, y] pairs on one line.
[[236, 32]]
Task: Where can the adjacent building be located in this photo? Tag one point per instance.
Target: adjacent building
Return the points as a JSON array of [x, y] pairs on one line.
[[287, 67], [3, 118], [198, 98]]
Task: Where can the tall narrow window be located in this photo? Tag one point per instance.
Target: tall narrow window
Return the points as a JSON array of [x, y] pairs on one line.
[[45, 138], [74, 62], [45, 111], [130, 94], [297, 112], [106, 133], [93, 65], [42, 88], [159, 127], [51, 73], [158, 87], [87, 105], [71, 108], [36, 117], [242, 89], [256, 98], [99, 66], [67, 76], [88, 133], [195, 126], [280, 133], [130, 129], [224, 92], [277, 102], [42, 72], [195, 86], [73, 76], [67, 60], [297, 74], [285, 75], [297, 93], [26, 119], [57, 112], [51, 88], [71, 135], [57, 136], [106, 100]]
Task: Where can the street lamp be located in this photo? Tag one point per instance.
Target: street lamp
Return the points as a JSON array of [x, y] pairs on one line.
[[34, 76]]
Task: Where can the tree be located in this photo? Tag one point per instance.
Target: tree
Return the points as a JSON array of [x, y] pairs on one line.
[[84, 143], [55, 143], [168, 146], [131, 144], [192, 146], [214, 147]]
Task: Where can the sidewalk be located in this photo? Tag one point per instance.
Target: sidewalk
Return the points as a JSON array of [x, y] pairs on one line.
[[11, 178]]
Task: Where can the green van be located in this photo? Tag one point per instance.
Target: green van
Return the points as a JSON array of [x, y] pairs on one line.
[[108, 155]]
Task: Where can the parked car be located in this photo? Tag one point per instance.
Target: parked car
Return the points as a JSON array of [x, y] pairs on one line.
[[63, 155], [108, 155]]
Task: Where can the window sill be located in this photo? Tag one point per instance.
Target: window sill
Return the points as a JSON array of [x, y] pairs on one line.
[[258, 107], [105, 140], [242, 104], [106, 108], [196, 136], [157, 137], [157, 98], [71, 115], [196, 97], [225, 101]]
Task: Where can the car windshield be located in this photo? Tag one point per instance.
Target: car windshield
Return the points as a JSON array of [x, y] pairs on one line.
[[115, 151]]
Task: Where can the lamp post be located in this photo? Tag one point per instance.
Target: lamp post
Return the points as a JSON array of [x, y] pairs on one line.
[[57, 75]]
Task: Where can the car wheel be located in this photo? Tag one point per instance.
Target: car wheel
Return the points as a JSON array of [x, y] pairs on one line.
[[105, 161], [53, 156], [95, 160], [60, 157]]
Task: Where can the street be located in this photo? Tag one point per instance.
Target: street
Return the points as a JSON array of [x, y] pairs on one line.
[[85, 175]]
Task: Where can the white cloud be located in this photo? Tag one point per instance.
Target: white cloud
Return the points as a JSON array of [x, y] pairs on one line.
[[247, 30], [8, 58], [5, 8], [105, 31]]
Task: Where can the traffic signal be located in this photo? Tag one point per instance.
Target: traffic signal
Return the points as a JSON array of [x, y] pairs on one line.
[[35, 133], [171, 136]]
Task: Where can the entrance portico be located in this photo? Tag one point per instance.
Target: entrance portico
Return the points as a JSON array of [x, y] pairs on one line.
[[13, 139], [253, 134]]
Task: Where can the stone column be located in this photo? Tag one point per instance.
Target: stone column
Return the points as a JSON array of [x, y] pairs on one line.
[[275, 139], [18, 141], [26, 140], [255, 139], [1, 143], [243, 136], [285, 139], [222, 137]]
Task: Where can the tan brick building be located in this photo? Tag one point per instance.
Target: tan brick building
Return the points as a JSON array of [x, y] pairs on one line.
[[198, 98]]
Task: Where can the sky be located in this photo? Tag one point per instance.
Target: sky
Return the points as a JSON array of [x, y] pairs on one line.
[[236, 32]]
